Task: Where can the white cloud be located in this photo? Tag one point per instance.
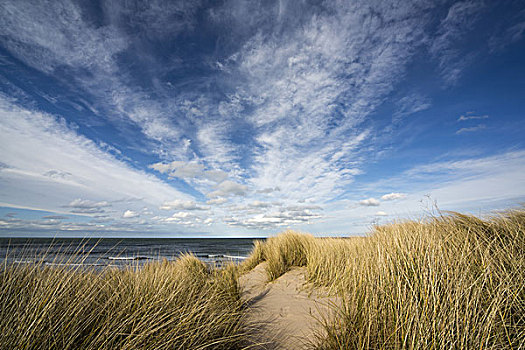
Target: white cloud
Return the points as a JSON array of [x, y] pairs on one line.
[[393, 196], [87, 204], [284, 218], [179, 169], [460, 19], [35, 143], [463, 184], [381, 213], [227, 188], [84, 206], [128, 214], [471, 116], [63, 35], [370, 202], [216, 201], [215, 175], [179, 204], [471, 129], [259, 204], [513, 33], [308, 98], [57, 174], [185, 219], [269, 190], [192, 172], [47, 36], [411, 104]]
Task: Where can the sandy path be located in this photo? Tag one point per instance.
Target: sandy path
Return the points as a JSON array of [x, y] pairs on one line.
[[283, 310]]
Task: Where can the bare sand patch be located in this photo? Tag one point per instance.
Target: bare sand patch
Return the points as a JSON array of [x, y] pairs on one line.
[[284, 311]]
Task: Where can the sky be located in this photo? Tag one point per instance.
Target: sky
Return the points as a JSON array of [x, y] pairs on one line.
[[246, 118]]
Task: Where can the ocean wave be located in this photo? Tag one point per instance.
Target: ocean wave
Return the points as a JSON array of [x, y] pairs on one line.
[[73, 264], [139, 257], [224, 256], [238, 257], [24, 262]]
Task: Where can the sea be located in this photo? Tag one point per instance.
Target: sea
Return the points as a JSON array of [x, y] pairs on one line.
[[121, 252]]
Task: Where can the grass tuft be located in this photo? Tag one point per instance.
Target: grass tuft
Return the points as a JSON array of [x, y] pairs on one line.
[[256, 256], [281, 253]]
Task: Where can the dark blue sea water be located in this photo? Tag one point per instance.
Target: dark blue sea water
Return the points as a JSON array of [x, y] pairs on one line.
[[120, 252]]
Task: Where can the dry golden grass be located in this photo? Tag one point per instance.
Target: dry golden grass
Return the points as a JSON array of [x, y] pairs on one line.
[[280, 252], [449, 282], [180, 305], [255, 258]]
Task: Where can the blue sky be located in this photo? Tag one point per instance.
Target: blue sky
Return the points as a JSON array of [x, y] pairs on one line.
[[245, 118]]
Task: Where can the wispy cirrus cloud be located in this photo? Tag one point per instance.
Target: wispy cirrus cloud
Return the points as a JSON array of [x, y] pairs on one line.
[[294, 85], [471, 129], [460, 19], [472, 116], [96, 181]]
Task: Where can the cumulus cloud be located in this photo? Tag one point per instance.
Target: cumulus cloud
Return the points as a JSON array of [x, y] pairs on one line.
[[381, 213], [370, 202], [190, 171], [215, 175], [185, 219], [259, 204], [129, 214], [179, 204], [86, 206], [216, 201], [228, 188], [393, 196], [55, 217], [57, 174], [274, 219], [269, 190], [179, 169]]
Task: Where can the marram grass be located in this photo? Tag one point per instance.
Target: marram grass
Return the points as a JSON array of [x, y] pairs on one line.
[[180, 305], [448, 282]]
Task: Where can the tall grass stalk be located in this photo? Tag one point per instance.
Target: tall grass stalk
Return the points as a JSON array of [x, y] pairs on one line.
[[163, 305]]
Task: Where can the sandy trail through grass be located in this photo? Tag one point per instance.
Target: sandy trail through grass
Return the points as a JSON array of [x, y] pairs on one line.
[[284, 310]]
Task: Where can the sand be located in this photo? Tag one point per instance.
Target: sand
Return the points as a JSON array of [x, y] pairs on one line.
[[284, 311]]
